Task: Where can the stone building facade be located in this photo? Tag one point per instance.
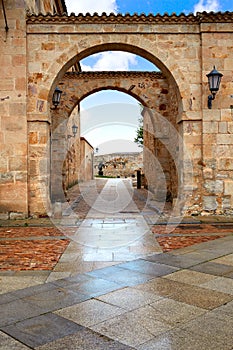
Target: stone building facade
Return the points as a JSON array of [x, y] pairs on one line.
[[45, 6], [191, 145], [86, 164]]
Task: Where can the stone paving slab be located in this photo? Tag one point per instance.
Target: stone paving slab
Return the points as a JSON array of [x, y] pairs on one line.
[[148, 267], [212, 325], [42, 329], [90, 312], [85, 339], [180, 261], [134, 327], [8, 343], [213, 268], [120, 275], [129, 298], [17, 310], [144, 316], [179, 339], [55, 299], [160, 301]]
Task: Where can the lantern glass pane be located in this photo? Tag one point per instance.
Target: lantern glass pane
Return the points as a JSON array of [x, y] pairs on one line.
[[74, 129]]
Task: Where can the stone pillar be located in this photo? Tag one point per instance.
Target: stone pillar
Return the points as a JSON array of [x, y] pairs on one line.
[[217, 122], [39, 167], [13, 120]]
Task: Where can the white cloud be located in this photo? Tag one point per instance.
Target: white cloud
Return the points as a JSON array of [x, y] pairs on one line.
[[207, 5], [84, 6], [112, 61]]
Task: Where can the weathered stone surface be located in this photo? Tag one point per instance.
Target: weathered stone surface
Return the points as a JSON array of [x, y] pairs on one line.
[[210, 203], [40, 51], [214, 186]]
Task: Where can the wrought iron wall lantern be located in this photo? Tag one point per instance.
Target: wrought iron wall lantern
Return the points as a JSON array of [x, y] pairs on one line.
[[74, 131], [214, 80], [56, 97]]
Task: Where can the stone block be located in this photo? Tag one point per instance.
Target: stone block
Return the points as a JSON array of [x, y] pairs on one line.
[[33, 137], [18, 163], [228, 187], [230, 127], [7, 84], [6, 178], [210, 127], [226, 114], [225, 139], [14, 124], [214, 186], [17, 216], [226, 202], [209, 139], [207, 173], [20, 149], [222, 127], [17, 109], [225, 164], [19, 60], [48, 46], [211, 115], [20, 83], [191, 115], [224, 151], [3, 165], [57, 210], [21, 176], [4, 216], [209, 203], [209, 151], [228, 63]]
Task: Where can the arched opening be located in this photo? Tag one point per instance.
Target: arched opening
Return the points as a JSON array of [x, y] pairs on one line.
[[116, 47], [155, 91]]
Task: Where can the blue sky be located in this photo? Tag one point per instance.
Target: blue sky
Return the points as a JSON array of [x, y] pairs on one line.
[[102, 134], [169, 6], [148, 6]]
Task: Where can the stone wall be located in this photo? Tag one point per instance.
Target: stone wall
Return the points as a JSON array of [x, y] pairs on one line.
[[86, 160], [217, 124], [36, 53], [174, 47], [72, 160], [119, 164], [46, 6], [13, 117]]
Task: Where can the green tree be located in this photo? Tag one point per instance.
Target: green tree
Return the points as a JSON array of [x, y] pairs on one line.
[[139, 133]]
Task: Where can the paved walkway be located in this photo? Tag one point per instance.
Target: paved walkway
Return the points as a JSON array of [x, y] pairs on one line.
[[135, 299]]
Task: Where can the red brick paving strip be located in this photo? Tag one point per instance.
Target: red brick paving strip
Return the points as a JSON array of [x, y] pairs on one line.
[[37, 248], [170, 243], [182, 236], [26, 253], [16, 232]]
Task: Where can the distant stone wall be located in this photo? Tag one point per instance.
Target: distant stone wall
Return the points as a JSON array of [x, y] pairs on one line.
[[119, 164]]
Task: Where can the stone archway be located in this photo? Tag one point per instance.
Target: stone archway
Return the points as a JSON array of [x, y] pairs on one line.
[[152, 90], [184, 47], [137, 38], [161, 99]]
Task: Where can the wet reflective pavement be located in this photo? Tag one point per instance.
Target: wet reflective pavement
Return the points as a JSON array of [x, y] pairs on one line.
[[123, 295]]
